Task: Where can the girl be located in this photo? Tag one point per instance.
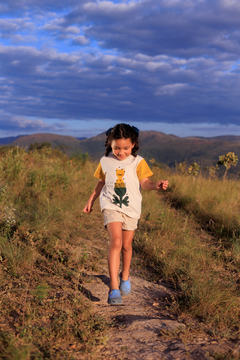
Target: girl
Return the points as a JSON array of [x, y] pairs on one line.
[[121, 173]]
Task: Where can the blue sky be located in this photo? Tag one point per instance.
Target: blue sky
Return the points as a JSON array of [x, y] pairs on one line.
[[79, 67]]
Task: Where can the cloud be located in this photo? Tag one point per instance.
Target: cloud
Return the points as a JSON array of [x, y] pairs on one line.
[[162, 60], [21, 125], [9, 26], [79, 85], [35, 6], [178, 28], [55, 29], [171, 89], [17, 30], [80, 40]]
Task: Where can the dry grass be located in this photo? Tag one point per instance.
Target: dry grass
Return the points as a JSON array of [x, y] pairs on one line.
[[45, 244], [214, 203], [196, 261], [43, 314]]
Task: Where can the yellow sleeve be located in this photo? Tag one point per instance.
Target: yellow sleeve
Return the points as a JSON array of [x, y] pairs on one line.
[[99, 172], [143, 170]]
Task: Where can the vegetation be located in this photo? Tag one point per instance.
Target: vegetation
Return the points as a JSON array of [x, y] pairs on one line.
[[168, 149], [227, 160], [189, 235], [79, 156], [42, 256], [212, 170], [196, 246], [39, 146], [193, 169], [165, 149]]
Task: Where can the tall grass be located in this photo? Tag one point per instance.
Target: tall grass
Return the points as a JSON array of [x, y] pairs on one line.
[[172, 241], [42, 194], [216, 204]]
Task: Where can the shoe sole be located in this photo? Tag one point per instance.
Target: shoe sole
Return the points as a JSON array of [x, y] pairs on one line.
[[115, 303], [116, 298]]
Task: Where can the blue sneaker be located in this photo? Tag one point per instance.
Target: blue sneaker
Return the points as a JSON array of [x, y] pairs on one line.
[[114, 297], [125, 286]]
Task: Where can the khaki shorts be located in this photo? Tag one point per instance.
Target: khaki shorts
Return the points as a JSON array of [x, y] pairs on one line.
[[128, 223]]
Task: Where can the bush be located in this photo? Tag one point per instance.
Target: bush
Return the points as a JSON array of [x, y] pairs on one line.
[[40, 146]]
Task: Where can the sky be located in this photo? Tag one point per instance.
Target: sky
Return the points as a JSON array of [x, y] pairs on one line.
[[78, 67]]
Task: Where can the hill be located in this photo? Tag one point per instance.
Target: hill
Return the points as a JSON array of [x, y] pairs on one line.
[[9, 139], [171, 149], [166, 149], [64, 142], [202, 150]]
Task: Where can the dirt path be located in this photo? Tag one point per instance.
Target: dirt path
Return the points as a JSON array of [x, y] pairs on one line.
[[145, 329]]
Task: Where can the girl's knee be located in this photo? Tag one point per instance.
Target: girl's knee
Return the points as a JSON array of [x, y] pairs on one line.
[[127, 247], [116, 243]]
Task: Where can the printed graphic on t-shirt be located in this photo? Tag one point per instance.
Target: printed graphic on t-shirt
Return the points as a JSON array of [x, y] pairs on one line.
[[120, 189]]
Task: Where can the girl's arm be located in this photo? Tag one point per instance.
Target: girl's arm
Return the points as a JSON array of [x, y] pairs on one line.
[[94, 196], [146, 184]]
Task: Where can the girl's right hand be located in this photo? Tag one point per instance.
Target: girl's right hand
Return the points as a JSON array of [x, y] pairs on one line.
[[94, 196]]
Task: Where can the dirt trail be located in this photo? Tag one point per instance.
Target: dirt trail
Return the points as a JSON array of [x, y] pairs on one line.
[[145, 329]]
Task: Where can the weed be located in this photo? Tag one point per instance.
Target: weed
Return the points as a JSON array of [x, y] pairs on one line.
[[79, 158], [8, 350], [84, 256], [41, 291], [15, 252]]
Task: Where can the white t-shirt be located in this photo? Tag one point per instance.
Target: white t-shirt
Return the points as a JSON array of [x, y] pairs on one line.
[[121, 191]]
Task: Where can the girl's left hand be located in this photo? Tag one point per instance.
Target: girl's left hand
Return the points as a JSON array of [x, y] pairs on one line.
[[162, 184]]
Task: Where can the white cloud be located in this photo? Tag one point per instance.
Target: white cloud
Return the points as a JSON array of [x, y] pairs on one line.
[[171, 89], [108, 7], [80, 40], [72, 29]]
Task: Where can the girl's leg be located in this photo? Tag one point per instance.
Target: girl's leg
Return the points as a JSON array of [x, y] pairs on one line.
[[127, 237], [115, 234]]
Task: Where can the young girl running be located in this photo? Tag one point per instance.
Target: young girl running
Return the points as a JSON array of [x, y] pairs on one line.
[[121, 173]]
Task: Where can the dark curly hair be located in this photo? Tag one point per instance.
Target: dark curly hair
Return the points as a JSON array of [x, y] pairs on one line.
[[122, 131]]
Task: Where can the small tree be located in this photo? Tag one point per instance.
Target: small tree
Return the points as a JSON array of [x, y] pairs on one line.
[[182, 167], [227, 160], [153, 161], [193, 169], [159, 165], [212, 170]]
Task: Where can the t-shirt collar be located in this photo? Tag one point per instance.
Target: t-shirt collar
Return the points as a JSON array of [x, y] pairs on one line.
[[125, 161]]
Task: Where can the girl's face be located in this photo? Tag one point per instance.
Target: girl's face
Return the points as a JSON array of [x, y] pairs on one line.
[[122, 148]]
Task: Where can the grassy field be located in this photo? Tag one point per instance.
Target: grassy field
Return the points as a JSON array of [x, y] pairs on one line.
[[43, 315], [189, 236]]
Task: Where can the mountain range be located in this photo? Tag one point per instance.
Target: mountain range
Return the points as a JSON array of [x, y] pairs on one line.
[[166, 149]]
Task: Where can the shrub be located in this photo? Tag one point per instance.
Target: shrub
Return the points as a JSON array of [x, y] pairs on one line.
[[228, 160]]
